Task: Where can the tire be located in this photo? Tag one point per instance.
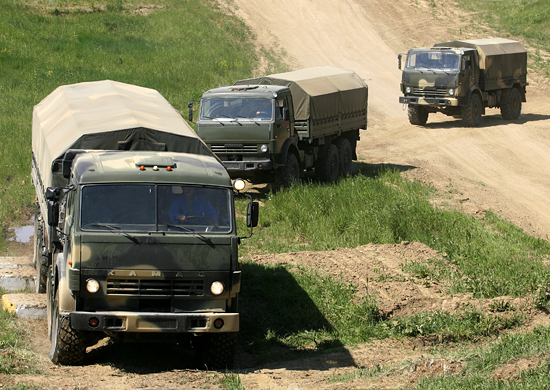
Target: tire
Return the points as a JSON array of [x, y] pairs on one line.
[[216, 350], [67, 345], [327, 167], [471, 114], [289, 174], [346, 158], [418, 115], [510, 108], [40, 262]]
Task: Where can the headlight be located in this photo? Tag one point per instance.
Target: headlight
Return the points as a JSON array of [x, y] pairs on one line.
[[239, 184], [408, 89], [216, 288], [451, 92], [263, 148], [92, 286]]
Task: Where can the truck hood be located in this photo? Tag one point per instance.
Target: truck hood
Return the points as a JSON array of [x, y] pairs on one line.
[[176, 253], [245, 132], [428, 78]]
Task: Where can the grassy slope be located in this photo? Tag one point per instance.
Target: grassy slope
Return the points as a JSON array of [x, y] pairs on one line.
[[179, 47]]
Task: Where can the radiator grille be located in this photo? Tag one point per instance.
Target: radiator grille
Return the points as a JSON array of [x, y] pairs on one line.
[[234, 148], [153, 287], [429, 92]]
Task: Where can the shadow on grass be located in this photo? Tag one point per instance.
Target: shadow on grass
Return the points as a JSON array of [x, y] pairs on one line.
[[280, 322]]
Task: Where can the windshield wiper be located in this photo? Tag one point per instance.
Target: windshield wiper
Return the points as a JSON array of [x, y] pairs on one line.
[[216, 119], [250, 119], [115, 229], [230, 117], [188, 230]]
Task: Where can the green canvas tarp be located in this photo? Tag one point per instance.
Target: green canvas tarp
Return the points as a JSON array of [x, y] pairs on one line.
[[320, 93], [107, 115], [500, 58]]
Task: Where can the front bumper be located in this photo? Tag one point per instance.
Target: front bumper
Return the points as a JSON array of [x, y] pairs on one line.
[[147, 322], [424, 101], [245, 166]]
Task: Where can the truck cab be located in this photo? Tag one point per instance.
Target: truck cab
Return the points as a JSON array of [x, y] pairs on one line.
[[248, 128]]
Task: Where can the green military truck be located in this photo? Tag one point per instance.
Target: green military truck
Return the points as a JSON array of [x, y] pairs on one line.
[[122, 249], [462, 78], [281, 127]]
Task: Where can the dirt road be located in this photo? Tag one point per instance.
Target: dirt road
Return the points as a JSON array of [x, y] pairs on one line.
[[502, 166]]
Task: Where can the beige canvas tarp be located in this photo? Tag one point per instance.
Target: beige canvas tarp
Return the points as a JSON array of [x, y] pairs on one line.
[[107, 115], [499, 57], [320, 93]]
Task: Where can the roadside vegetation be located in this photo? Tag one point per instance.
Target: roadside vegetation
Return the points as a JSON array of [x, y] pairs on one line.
[[184, 47], [179, 47], [526, 19]]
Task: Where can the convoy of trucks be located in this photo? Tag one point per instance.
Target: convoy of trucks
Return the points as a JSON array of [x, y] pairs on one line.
[[122, 249], [135, 229], [281, 127], [462, 78]]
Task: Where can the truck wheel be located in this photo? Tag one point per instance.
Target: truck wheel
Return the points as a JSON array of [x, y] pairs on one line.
[[418, 115], [327, 167], [471, 114], [40, 262], [289, 174], [217, 350], [510, 107], [344, 150], [67, 345]]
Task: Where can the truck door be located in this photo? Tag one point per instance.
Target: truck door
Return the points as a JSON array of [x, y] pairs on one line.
[[282, 129], [469, 72]]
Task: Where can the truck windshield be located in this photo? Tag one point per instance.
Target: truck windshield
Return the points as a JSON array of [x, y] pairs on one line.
[[236, 108], [437, 60], [148, 207]]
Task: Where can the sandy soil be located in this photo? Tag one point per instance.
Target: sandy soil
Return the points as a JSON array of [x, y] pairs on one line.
[[500, 166]]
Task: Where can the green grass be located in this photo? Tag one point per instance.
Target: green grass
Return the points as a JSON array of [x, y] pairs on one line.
[[15, 357], [527, 19], [492, 257], [311, 312], [481, 366], [180, 48]]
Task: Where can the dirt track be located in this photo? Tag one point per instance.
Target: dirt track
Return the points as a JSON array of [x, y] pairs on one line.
[[502, 166]]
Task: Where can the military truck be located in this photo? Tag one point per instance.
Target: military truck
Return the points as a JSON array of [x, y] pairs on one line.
[[281, 127], [111, 164], [462, 78]]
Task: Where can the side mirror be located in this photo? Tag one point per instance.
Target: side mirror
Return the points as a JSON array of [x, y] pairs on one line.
[[399, 57], [190, 106], [252, 214], [53, 213]]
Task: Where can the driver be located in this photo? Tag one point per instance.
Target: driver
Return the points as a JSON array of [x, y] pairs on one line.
[[264, 110], [192, 205]]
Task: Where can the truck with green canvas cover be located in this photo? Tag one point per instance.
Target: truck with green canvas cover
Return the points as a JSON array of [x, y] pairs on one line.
[[462, 78], [281, 127], [121, 247]]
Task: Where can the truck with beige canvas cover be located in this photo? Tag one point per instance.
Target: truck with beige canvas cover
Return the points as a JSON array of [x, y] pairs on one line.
[[122, 248], [462, 78], [281, 127]]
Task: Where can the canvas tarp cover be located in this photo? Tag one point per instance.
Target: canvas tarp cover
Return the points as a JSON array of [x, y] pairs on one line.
[[107, 115], [320, 93], [499, 57]]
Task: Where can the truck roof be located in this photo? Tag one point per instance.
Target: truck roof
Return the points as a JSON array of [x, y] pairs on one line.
[[265, 91], [319, 92], [499, 57], [107, 115], [116, 167], [488, 46]]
